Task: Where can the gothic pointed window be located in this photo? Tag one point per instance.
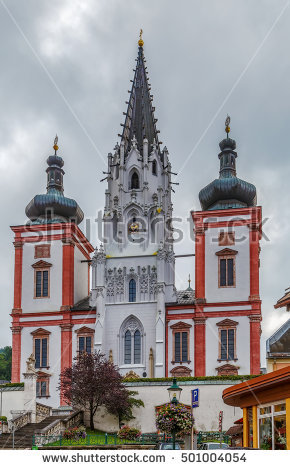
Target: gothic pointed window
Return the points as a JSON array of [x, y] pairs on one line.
[[132, 340], [135, 181], [154, 168], [132, 290]]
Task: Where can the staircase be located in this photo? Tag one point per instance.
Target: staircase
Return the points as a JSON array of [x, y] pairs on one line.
[[23, 437]]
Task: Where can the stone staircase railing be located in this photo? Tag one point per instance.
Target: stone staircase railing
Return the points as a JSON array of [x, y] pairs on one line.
[[42, 412], [56, 428], [20, 421]]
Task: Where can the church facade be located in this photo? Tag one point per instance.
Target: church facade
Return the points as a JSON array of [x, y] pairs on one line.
[[120, 298]]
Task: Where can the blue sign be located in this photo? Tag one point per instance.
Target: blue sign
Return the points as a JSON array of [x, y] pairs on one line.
[[194, 398]]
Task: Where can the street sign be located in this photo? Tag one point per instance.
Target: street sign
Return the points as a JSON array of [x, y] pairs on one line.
[[195, 398]]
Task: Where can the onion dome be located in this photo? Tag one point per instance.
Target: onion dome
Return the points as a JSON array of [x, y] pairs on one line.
[[53, 206], [228, 191]]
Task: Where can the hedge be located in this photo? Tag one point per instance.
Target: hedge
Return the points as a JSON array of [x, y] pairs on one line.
[[193, 379], [3, 418], [20, 384]]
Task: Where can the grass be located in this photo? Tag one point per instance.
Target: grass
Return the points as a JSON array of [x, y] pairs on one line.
[[95, 437]]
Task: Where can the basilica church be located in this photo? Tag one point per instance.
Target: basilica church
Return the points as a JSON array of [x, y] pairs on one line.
[[120, 297]]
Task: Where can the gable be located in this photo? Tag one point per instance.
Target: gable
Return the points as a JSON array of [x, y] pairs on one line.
[[40, 332], [41, 264], [181, 326], [227, 323], [227, 252]]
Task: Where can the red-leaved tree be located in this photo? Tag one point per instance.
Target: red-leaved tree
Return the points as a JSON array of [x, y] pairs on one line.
[[91, 382]]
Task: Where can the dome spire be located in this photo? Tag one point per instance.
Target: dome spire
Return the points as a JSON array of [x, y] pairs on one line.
[[227, 191], [54, 206]]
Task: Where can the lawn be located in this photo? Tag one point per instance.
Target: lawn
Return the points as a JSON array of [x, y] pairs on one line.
[[92, 438]]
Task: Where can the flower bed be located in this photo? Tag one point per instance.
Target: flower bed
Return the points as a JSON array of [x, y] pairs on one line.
[[129, 434]]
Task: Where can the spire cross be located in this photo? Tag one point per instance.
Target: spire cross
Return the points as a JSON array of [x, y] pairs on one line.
[[189, 280], [227, 124], [55, 146], [141, 42]]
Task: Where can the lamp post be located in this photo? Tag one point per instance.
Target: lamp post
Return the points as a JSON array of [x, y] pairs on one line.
[[174, 396]]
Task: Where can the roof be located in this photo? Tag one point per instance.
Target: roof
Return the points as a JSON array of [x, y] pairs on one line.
[[279, 343], [83, 304], [284, 301], [263, 389], [140, 121], [227, 191], [185, 296], [235, 430]]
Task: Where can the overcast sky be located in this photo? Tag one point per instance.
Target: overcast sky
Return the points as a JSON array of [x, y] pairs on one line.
[[66, 68]]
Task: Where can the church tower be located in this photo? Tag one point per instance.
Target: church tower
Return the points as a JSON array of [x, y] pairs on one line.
[[51, 275], [133, 270], [227, 235]]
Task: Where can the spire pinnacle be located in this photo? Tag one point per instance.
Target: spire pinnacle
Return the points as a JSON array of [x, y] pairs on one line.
[[55, 146], [140, 42], [227, 124]]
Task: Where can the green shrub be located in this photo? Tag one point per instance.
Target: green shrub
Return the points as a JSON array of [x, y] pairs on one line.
[[194, 379], [3, 418], [20, 384]]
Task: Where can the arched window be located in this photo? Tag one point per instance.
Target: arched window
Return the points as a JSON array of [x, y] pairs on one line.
[[131, 345], [132, 290], [127, 347], [135, 181], [154, 167]]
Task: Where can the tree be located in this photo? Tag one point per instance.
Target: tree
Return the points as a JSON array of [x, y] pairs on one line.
[[5, 363], [91, 382], [123, 407]]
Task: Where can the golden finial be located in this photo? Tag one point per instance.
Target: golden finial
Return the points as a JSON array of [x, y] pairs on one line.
[[227, 124], [55, 146], [141, 42]]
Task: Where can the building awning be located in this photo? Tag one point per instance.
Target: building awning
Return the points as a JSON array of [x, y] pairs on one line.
[[263, 389]]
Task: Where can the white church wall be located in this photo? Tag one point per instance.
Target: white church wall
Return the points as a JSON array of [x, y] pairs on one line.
[[116, 314], [242, 345], [80, 276], [206, 415], [54, 360], [54, 301], [229, 294]]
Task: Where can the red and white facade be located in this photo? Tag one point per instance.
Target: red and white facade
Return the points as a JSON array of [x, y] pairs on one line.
[[63, 251], [226, 233]]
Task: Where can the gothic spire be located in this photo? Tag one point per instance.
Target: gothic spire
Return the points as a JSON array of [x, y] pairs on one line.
[[139, 120]]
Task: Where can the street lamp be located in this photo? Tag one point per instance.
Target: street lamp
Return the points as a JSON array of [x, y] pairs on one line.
[[174, 396]]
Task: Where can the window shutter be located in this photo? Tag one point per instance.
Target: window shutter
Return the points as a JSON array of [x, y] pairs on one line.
[[43, 389], [177, 347], [184, 346], [37, 353], [44, 353], [231, 344], [81, 344], [128, 347], [137, 347], [230, 272], [45, 284], [224, 354], [223, 268], [89, 345], [38, 284]]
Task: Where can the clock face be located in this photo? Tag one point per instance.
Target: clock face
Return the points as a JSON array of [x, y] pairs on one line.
[[134, 227]]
